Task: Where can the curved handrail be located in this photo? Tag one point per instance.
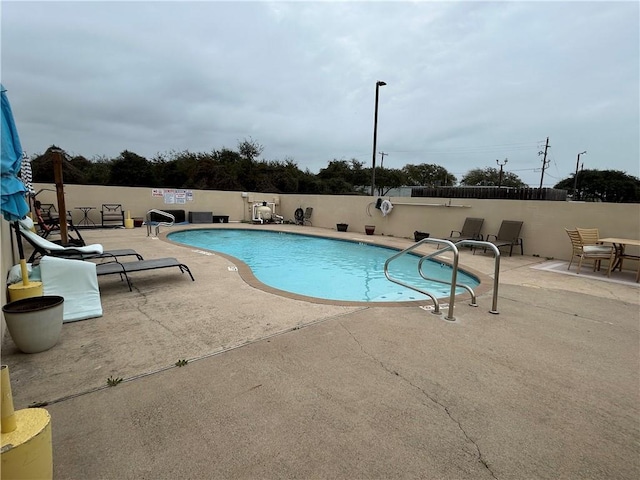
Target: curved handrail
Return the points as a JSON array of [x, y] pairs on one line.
[[445, 282], [450, 246], [158, 224], [496, 268], [436, 304]]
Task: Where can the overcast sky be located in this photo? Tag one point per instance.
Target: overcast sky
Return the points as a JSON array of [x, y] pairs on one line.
[[467, 82]]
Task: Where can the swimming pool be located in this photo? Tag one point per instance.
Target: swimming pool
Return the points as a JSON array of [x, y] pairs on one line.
[[325, 268]]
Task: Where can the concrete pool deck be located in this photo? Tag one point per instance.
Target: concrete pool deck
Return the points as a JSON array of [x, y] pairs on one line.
[[283, 388]]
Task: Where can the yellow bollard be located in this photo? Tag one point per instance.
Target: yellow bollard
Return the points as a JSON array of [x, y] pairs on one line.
[[26, 289], [18, 291], [6, 403], [128, 222], [27, 451]]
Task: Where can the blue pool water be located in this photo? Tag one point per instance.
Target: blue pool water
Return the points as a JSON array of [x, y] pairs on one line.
[[322, 267]]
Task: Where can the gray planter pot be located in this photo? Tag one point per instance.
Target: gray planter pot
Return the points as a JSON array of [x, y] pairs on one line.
[[35, 323]]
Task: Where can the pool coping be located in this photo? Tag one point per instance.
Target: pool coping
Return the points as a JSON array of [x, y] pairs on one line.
[[245, 272]]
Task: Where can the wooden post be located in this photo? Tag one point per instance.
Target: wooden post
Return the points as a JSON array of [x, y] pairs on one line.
[[62, 208]]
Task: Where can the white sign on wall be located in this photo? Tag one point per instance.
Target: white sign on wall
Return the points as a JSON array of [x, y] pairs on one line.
[[171, 196]]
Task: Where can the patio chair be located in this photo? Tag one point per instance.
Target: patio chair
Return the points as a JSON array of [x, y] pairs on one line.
[[508, 236], [110, 213], [47, 211], [125, 268], [470, 230], [307, 216], [42, 246], [586, 244], [48, 224]]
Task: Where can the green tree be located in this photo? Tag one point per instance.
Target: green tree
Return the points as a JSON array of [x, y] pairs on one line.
[[73, 169], [336, 169], [491, 177], [308, 182], [428, 175], [613, 186], [343, 175], [286, 176], [250, 149], [132, 170], [98, 171], [388, 178], [176, 170]]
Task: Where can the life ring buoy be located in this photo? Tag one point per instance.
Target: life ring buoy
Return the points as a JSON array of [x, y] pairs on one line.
[[385, 207]]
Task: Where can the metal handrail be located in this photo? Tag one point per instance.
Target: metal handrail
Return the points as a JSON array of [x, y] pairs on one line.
[[157, 225], [450, 246], [496, 268]]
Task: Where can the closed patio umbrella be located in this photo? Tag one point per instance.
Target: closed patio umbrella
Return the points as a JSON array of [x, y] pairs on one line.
[[26, 175], [14, 206]]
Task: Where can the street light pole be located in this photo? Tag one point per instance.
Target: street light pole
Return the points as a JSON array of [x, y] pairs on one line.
[[375, 136], [575, 177], [501, 165]]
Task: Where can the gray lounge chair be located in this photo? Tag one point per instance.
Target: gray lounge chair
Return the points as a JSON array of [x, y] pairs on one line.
[[470, 230], [508, 236], [124, 268]]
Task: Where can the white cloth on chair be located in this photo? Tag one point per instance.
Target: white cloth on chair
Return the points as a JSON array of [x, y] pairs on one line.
[[77, 282]]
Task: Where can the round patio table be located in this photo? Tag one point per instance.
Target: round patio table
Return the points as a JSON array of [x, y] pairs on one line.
[[86, 221]]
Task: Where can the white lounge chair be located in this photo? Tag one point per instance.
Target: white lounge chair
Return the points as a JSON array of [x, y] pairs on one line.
[[42, 246]]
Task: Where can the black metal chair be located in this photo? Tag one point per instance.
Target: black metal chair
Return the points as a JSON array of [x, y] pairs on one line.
[[112, 215]]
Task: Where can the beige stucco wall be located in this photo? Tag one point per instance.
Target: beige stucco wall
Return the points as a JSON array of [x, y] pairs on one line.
[[543, 230]]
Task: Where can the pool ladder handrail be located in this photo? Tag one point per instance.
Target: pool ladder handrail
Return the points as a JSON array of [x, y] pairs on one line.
[[157, 225], [449, 246]]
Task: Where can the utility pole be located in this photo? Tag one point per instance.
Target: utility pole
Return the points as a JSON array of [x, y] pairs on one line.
[[545, 164], [576, 196], [501, 165], [382, 154], [379, 84]]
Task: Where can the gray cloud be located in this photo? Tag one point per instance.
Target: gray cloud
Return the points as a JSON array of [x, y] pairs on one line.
[[467, 83]]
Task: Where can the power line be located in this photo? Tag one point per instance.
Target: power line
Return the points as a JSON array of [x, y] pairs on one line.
[[469, 150]]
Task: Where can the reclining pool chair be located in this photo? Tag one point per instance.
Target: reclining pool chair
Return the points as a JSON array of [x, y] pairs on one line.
[[124, 268], [470, 230], [508, 236], [48, 224], [42, 247]]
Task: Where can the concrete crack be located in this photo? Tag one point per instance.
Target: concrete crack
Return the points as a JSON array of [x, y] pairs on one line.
[[481, 458]]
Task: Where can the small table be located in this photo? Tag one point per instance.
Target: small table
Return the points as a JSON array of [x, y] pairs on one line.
[[86, 221], [619, 245]]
